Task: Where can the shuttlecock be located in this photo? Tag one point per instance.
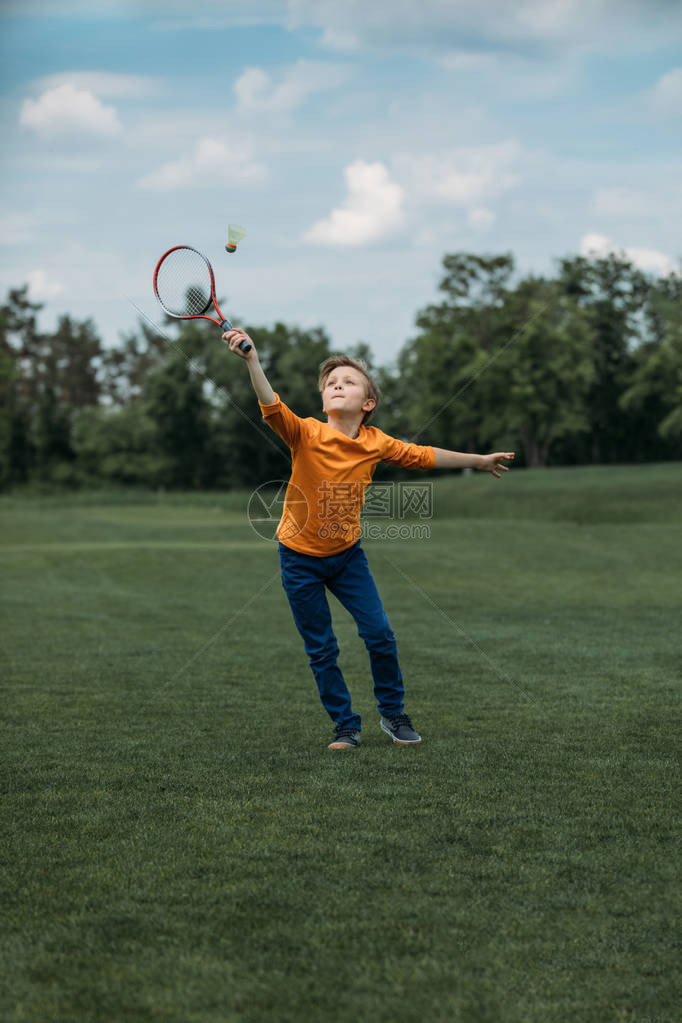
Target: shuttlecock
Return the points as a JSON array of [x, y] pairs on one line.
[[235, 233]]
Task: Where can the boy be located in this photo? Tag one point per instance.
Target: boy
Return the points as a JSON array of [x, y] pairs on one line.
[[319, 532]]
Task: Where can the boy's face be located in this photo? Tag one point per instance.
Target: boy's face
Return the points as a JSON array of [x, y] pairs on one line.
[[345, 391]]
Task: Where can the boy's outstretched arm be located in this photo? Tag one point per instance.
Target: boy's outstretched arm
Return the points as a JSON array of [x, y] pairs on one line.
[[261, 385], [484, 463]]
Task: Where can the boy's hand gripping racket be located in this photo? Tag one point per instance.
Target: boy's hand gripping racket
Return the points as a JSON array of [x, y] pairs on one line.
[[185, 287]]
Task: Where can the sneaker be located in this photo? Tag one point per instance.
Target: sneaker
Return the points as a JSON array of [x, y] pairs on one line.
[[399, 727], [345, 738]]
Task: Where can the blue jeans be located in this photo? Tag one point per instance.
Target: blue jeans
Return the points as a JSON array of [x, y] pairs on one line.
[[348, 577]]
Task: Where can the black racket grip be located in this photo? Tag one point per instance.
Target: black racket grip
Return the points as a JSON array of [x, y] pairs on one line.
[[244, 346]]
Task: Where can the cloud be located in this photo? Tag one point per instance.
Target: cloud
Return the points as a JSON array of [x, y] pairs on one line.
[[469, 60], [372, 209], [67, 110], [63, 8], [434, 26], [212, 162], [257, 93], [481, 218], [212, 16], [623, 202], [648, 260], [16, 228], [666, 95], [41, 287], [655, 195], [104, 84], [553, 18], [467, 175], [516, 76]]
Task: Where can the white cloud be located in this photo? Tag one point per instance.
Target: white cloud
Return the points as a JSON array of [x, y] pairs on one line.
[[16, 228], [104, 84], [65, 110], [341, 40], [252, 88], [597, 245], [257, 93], [372, 209], [481, 218], [40, 286], [666, 95], [469, 60], [212, 162], [555, 18], [623, 202], [435, 26], [62, 8], [651, 261], [647, 260], [515, 76], [212, 16], [467, 175]]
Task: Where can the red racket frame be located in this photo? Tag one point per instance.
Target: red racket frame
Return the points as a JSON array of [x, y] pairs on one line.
[[223, 322]]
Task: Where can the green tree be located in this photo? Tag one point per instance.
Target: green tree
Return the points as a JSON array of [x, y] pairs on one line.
[[71, 360], [119, 446], [437, 393], [536, 384], [655, 391], [18, 335], [495, 364], [68, 360], [151, 413], [174, 401], [8, 397], [126, 366], [51, 435], [53, 374], [613, 293]]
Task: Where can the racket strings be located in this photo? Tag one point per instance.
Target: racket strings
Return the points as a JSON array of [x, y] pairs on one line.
[[183, 283]]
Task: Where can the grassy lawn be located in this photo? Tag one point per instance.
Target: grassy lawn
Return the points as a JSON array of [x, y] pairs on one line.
[[178, 843]]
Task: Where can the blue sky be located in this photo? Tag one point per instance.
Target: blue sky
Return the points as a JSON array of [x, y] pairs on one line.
[[358, 143]]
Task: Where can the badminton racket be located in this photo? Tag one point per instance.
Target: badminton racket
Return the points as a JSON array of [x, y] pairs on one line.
[[184, 284]]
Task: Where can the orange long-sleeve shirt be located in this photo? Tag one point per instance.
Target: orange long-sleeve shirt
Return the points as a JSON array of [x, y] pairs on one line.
[[329, 475]]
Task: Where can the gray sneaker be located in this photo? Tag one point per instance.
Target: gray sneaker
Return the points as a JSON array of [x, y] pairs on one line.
[[345, 738], [399, 727]]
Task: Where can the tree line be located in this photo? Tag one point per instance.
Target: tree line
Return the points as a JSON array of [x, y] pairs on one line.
[[584, 366]]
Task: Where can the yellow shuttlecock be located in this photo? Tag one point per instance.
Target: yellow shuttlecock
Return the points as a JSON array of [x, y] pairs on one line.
[[235, 233]]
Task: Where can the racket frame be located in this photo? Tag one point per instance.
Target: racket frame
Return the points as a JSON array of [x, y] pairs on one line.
[[223, 322]]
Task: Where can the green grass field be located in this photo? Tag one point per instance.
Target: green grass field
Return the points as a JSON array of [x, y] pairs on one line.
[[178, 844]]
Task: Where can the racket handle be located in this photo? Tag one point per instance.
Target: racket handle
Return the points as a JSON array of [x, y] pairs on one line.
[[244, 346]]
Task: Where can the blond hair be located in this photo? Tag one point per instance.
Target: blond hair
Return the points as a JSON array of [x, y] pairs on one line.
[[334, 362]]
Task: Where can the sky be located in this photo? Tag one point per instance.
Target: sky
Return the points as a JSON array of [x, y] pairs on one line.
[[358, 142]]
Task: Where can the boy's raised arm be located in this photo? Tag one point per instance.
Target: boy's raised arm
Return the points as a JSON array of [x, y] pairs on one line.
[[484, 463], [261, 385]]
